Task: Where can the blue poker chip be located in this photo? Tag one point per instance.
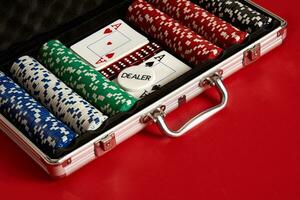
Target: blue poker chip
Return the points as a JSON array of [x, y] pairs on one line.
[[39, 124]]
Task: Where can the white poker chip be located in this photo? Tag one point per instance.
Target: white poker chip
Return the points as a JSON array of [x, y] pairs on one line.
[[136, 78], [61, 100]]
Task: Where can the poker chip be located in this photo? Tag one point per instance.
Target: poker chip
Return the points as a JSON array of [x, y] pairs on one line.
[[202, 22], [36, 121], [65, 104], [104, 94], [135, 58], [237, 13], [184, 42], [136, 78]]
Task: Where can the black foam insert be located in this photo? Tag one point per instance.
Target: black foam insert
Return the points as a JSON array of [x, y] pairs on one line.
[[21, 20]]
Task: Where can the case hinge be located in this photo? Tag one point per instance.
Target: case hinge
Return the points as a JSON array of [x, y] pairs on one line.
[[252, 55], [105, 144]]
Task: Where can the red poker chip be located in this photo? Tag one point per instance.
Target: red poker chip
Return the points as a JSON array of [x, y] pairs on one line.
[[202, 22], [181, 40]]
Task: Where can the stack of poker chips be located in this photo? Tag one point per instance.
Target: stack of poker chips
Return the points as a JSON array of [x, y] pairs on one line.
[[202, 22], [65, 104], [40, 125], [104, 94], [237, 13], [181, 40], [135, 58]]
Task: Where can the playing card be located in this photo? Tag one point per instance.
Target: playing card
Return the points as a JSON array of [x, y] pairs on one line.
[[166, 68], [109, 44]]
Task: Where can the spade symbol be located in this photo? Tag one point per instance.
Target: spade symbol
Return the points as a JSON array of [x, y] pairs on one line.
[[149, 64], [156, 87], [145, 93]]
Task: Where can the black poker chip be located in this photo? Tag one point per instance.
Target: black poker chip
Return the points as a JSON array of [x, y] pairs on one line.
[[237, 13]]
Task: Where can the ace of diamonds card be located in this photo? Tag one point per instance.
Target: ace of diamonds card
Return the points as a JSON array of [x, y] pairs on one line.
[[109, 44]]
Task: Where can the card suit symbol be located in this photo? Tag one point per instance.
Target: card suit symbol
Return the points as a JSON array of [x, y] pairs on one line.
[[109, 43], [101, 60], [145, 93], [156, 87], [110, 55], [149, 64], [107, 31]]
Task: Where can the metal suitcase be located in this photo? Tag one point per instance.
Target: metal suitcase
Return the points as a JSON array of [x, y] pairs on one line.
[[155, 112]]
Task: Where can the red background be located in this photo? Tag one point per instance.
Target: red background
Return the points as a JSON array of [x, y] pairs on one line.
[[248, 151]]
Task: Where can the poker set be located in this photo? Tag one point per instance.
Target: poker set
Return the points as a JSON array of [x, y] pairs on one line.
[[81, 78]]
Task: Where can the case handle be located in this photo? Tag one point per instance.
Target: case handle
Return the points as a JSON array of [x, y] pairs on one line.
[[159, 114]]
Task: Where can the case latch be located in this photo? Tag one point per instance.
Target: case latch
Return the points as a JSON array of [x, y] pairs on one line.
[[252, 54], [105, 144]]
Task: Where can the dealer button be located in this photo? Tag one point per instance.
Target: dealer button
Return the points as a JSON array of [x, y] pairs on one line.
[[136, 78]]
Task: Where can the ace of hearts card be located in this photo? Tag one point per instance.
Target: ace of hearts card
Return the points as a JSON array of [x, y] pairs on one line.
[[109, 44]]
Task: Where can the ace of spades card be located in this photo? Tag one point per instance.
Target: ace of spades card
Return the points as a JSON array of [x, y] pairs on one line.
[[166, 68], [109, 44]]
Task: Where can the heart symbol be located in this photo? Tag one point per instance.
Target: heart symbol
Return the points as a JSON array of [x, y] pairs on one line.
[[109, 43], [110, 55], [107, 31]]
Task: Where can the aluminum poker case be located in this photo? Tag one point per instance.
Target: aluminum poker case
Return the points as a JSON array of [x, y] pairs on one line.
[[70, 22]]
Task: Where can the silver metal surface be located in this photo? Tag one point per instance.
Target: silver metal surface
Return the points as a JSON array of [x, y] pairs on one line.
[[159, 115]]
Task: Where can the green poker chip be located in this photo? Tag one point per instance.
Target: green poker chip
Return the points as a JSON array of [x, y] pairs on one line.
[[104, 94]]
